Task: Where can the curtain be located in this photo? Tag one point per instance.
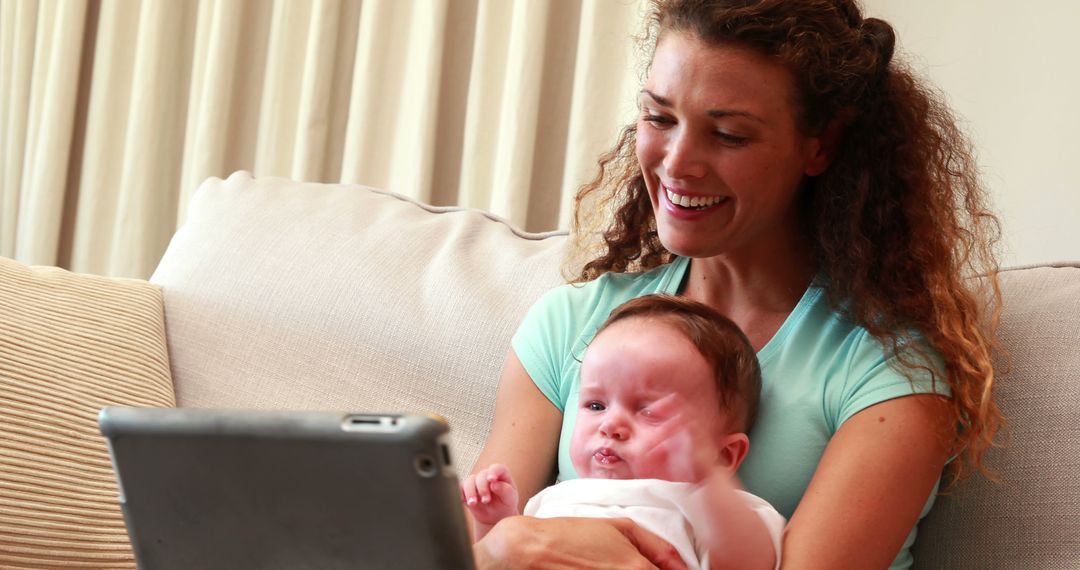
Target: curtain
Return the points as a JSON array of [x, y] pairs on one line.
[[113, 111]]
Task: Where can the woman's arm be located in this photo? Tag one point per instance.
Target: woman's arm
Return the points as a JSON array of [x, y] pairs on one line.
[[870, 486], [568, 543], [525, 432]]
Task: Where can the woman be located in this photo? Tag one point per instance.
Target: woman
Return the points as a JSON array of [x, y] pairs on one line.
[[787, 172]]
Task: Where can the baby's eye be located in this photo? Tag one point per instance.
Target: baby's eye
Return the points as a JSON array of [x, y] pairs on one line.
[[652, 413], [594, 407]]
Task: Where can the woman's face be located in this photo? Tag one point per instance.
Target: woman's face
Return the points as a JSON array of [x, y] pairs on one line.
[[720, 150]]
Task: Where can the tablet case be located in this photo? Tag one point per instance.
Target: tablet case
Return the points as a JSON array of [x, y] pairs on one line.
[[257, 489]]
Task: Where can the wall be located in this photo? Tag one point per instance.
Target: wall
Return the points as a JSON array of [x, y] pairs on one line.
[[1010, 70]]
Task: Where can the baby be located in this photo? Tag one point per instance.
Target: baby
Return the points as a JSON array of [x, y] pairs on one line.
[[668, 390]]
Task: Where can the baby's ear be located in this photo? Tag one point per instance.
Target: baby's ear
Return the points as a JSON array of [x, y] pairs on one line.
[[732, 449]]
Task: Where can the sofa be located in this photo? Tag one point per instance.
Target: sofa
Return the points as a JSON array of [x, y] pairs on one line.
[[280, 294]]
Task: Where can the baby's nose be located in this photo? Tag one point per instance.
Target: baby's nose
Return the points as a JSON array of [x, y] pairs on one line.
[[616, 430]]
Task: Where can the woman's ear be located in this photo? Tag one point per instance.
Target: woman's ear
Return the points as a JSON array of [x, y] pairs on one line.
[[732, 449], [825, 145]]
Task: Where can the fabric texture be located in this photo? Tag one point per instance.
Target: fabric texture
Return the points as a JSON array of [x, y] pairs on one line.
[[308, 296], [69, 345], [673, 511], [1028, 518]]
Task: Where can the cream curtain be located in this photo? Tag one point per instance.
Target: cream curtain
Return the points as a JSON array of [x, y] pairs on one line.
[[113, 111]]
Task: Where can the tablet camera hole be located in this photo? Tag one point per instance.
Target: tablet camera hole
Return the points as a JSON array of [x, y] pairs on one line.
[[426, 466]]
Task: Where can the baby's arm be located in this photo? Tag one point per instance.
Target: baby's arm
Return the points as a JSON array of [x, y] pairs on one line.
[[738, 537], [490, 495]]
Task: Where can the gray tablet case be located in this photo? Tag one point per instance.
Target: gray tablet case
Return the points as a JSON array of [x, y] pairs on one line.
[[237, 489]]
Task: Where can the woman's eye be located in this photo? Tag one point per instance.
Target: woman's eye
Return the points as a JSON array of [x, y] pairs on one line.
[[658, 120], [594, 407], [730, 139]]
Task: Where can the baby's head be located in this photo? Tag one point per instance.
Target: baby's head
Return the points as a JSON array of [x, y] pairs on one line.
[[655, 356]]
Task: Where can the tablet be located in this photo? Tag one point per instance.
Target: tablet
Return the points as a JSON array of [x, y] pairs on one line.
[[237, 489]]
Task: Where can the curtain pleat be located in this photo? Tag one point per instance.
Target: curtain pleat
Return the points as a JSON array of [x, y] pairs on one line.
[[219, 32], [104, 146], [18, 23], [153, 149], [49, 129], [390, 133], [113, 111], [607, 75]]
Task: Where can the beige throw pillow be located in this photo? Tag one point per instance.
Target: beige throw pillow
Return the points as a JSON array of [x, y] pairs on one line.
[[69, 345], [290, 295]]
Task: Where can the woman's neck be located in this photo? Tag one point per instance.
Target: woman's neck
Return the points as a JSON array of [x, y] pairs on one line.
[[757, 290]]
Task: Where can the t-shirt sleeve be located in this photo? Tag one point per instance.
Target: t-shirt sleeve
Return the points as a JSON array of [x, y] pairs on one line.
[[876, 375], [541, 343]]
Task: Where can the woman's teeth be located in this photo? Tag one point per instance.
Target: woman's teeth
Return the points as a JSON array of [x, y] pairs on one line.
[[696, 202]]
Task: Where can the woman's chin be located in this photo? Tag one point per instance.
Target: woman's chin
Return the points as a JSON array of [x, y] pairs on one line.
[[689, 246]]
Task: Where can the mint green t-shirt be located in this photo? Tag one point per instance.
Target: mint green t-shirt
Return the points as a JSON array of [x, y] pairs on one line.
[[818, 370]]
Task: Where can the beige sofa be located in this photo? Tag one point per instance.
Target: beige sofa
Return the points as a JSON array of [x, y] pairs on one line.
[[276, 294]]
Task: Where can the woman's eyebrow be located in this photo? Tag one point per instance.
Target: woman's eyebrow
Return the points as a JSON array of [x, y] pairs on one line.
[[659, 100], [714, 113]]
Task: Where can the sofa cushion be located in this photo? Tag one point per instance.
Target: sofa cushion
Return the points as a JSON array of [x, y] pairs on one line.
[[1028, 519], [281, 294], [69, 345]]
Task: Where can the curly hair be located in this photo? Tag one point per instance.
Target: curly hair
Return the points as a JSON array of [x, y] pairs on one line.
[[898, 224]]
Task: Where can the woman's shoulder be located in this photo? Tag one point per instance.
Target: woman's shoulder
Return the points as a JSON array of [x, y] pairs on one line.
[[621, 287], [830, 336], [575, 310]]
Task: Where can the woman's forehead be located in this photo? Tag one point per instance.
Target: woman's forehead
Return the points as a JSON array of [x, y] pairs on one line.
[[686, 71]]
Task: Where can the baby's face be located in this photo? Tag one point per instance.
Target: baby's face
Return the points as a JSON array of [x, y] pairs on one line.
[[635, 375]]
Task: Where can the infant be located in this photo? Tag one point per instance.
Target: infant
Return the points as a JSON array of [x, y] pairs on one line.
[[668, 390]]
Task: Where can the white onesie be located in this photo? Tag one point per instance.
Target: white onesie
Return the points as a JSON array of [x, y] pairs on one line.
[[672, 511]]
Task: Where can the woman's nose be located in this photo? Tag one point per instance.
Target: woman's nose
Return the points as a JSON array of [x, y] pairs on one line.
[[682, 157]]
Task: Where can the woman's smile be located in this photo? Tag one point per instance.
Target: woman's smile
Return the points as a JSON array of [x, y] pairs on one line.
[[690, 205]]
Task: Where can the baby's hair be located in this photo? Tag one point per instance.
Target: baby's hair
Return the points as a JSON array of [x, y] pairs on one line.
[[720, 342]]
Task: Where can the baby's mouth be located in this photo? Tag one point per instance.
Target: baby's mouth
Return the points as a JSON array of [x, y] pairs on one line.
[[606, 456]]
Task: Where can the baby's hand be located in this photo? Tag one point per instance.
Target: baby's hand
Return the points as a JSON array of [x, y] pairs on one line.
[[490, 494], [685, 446]]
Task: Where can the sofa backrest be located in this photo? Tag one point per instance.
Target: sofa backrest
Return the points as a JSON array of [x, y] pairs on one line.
[[287, 295], [281, 294], [1030, 517]]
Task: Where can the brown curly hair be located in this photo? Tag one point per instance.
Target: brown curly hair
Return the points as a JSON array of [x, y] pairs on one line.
[[899, 222]]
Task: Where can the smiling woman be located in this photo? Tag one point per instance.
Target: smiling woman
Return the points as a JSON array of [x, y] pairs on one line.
[[787, 172], [717, 127]]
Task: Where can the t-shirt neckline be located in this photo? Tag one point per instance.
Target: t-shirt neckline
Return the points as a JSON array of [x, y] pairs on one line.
[[680, 269]]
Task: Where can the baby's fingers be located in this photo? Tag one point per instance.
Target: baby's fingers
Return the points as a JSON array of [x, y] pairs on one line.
[[505, 493], [469, 496]]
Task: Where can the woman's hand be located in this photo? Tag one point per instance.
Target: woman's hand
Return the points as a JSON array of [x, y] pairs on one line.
[[565, 543]]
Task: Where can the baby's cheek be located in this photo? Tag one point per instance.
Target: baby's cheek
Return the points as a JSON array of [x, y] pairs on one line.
[[578, 443]]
